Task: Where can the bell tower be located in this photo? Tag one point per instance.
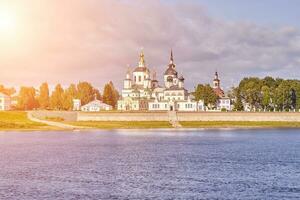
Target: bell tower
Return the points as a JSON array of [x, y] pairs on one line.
[[216, 82]]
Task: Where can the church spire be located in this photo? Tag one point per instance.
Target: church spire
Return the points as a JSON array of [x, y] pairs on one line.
[[142, 59], [171, 57]]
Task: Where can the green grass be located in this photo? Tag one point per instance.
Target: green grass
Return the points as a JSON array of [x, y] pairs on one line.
[[15, 120], [123, 124], [237, 124]]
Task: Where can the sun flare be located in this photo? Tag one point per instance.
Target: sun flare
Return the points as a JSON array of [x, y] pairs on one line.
[[7, 22]]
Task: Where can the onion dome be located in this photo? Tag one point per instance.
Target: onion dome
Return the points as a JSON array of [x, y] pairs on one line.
[[171, 71], [171, 67]]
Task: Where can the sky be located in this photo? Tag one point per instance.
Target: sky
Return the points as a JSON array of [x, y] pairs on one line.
[[64, 41]]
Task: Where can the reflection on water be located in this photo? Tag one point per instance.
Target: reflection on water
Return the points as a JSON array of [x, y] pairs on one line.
[[128, 164]]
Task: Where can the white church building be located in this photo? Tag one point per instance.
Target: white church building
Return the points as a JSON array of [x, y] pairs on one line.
[[140, 92]]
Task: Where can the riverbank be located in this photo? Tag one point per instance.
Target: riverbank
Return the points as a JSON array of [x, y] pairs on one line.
[[15, 120], [21, 121]]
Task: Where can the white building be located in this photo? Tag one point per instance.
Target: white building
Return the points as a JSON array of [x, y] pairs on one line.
[[224, 102], [93, 106], [140, 92], [96, 106], [5, 102]]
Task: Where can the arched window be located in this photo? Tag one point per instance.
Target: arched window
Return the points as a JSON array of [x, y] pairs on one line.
[[140, 78], [134, 78]]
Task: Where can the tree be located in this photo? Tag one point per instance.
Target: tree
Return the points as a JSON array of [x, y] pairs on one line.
[[7, 91], [70, 94], [27, 99], [266, 97], [56, 100], [110, 94], [44, 99], [86, 92], [250, 90], [238, 104], [207, 94]]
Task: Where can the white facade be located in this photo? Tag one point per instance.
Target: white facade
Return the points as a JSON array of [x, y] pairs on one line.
[[5, 102], [224, 103], [96, 106]]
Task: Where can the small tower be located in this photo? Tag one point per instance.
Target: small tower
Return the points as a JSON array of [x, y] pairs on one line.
[[171, 75], [127, 81], [216, 82], [181, 82], [154, 82]]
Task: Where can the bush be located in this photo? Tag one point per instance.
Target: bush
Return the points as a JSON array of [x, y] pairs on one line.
[[223, 110]]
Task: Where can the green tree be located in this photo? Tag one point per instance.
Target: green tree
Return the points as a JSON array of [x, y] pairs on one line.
[[250, 90], [44, 99], [27, 99], [110, 94], [282, 96], [266, 97], [207, 94], [238, 104], [57, 98]]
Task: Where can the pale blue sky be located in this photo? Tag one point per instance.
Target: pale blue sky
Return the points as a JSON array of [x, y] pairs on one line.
[[271, 12]]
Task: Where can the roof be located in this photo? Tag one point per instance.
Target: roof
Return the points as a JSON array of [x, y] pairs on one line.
[[175, 87], [171, 71], [219, 92], [96, 103], [141, 69]]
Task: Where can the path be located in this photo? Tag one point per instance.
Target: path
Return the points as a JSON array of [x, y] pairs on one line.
[[52, 123], [173, 119]]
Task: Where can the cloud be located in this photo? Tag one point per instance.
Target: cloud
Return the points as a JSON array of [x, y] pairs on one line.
[[94, 40]]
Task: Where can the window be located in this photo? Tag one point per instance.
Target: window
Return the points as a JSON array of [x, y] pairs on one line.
[[140, 78], [134, 78]]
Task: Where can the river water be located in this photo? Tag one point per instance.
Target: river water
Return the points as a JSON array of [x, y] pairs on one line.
[[128, 164]]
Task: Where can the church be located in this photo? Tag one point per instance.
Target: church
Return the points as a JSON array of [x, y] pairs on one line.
[[142, 91]]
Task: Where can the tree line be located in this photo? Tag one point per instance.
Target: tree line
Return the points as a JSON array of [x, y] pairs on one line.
[[257, 94], [266, 94], [30, 98]]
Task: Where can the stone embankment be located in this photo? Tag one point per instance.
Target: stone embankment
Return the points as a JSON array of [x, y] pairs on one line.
[[173, 117]]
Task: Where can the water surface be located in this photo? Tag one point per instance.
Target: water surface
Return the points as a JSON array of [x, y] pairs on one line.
[[204, 164]]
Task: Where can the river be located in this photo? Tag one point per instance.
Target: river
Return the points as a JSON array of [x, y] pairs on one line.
[[139, 164]]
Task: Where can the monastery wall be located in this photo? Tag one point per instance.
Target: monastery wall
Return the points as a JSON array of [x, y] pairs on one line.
[[164, 116], [239, 116], [123, 116]]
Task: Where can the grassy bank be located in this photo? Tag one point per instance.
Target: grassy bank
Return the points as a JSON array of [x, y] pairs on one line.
[[15, 120], [123, 124], [237, 124]]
